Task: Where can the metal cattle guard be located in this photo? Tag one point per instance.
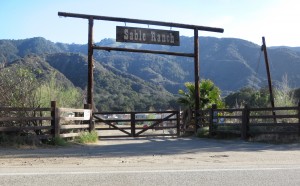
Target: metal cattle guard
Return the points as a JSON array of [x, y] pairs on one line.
[[91, 47]]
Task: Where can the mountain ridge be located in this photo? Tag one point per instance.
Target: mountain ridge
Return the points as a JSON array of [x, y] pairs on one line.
[[231, 63]]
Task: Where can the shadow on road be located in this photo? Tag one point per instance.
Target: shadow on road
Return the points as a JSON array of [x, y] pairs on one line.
[[146, 146]]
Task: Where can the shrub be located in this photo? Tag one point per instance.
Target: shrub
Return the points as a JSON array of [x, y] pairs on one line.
[[87, 137], [57, 141], [18, 140], [203, 132]]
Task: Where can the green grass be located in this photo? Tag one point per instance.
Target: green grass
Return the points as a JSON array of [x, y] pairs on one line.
[[87, 137], [59, 141], [203, 132]]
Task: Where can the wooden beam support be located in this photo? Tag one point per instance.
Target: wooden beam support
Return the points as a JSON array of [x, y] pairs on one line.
[[90, 87], [197, 78], [143, 51], [140, 21]]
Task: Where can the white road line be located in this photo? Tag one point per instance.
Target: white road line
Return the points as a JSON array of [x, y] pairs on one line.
[[148, 171]]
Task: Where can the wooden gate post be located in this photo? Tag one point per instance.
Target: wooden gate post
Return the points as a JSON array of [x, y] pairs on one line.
[[53, 117], [245, 123], [178, 123], [90, 122], [197, 79], [299, 118], [211, 119], [132, 118], [55, 120], [90, 87]]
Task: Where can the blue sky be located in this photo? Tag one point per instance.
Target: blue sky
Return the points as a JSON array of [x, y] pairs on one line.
[[277, 20]]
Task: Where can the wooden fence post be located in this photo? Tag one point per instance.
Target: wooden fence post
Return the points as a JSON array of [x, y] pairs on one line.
[[132, 117], [53, 117], [211, 119], [90, 122], [178, 123], [57, 123], [299, 118], [245, 123], [55, 131]]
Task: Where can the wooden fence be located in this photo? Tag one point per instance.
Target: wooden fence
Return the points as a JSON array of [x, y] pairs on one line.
[[45, 123], [252, 121]]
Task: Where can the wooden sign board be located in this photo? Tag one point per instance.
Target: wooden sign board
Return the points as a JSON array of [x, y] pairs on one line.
[[147, 36]]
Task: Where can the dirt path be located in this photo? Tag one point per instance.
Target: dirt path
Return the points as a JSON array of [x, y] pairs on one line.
[[153, 151]]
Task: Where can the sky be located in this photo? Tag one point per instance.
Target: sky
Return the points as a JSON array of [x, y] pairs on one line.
[[277, 20]]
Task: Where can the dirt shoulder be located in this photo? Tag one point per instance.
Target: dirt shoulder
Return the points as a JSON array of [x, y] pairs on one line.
[[153, 151]]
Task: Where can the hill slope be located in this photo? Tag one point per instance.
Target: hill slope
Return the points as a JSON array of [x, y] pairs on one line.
[[113, 89], [119, 76]]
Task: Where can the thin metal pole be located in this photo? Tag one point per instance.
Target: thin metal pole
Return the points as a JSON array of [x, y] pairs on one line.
[[264, 48], [197, 79], [90, 87]]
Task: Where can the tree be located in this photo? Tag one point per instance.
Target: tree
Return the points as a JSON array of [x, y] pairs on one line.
[[297, 95], [284, 96], [17, 87], [209, 94], [20, 87], [54, 90], [187, 98], [250, 96]]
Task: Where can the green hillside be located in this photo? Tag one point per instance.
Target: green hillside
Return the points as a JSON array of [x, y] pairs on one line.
[[135, 81]]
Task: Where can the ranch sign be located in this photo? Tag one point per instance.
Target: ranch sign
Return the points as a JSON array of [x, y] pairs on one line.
[[147, 36]]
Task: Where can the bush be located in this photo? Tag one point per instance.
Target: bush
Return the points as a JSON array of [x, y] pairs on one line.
[[57, 141], [226, 132], [4, 139], [18, 140], [203, 132], [87, 137]]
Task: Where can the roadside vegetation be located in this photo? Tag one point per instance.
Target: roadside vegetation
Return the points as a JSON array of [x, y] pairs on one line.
[[284, 96], [87, 137], [23, 86]]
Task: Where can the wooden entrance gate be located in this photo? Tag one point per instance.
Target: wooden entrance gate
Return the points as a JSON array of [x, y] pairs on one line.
[[92, 46], [137, 124]]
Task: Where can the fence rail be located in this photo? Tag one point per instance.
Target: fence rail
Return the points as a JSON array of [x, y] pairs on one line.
[[46, 122], [253, 121], [68, 122]]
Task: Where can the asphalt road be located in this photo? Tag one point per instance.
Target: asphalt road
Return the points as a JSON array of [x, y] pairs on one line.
[[157, 161], [278, 175]]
